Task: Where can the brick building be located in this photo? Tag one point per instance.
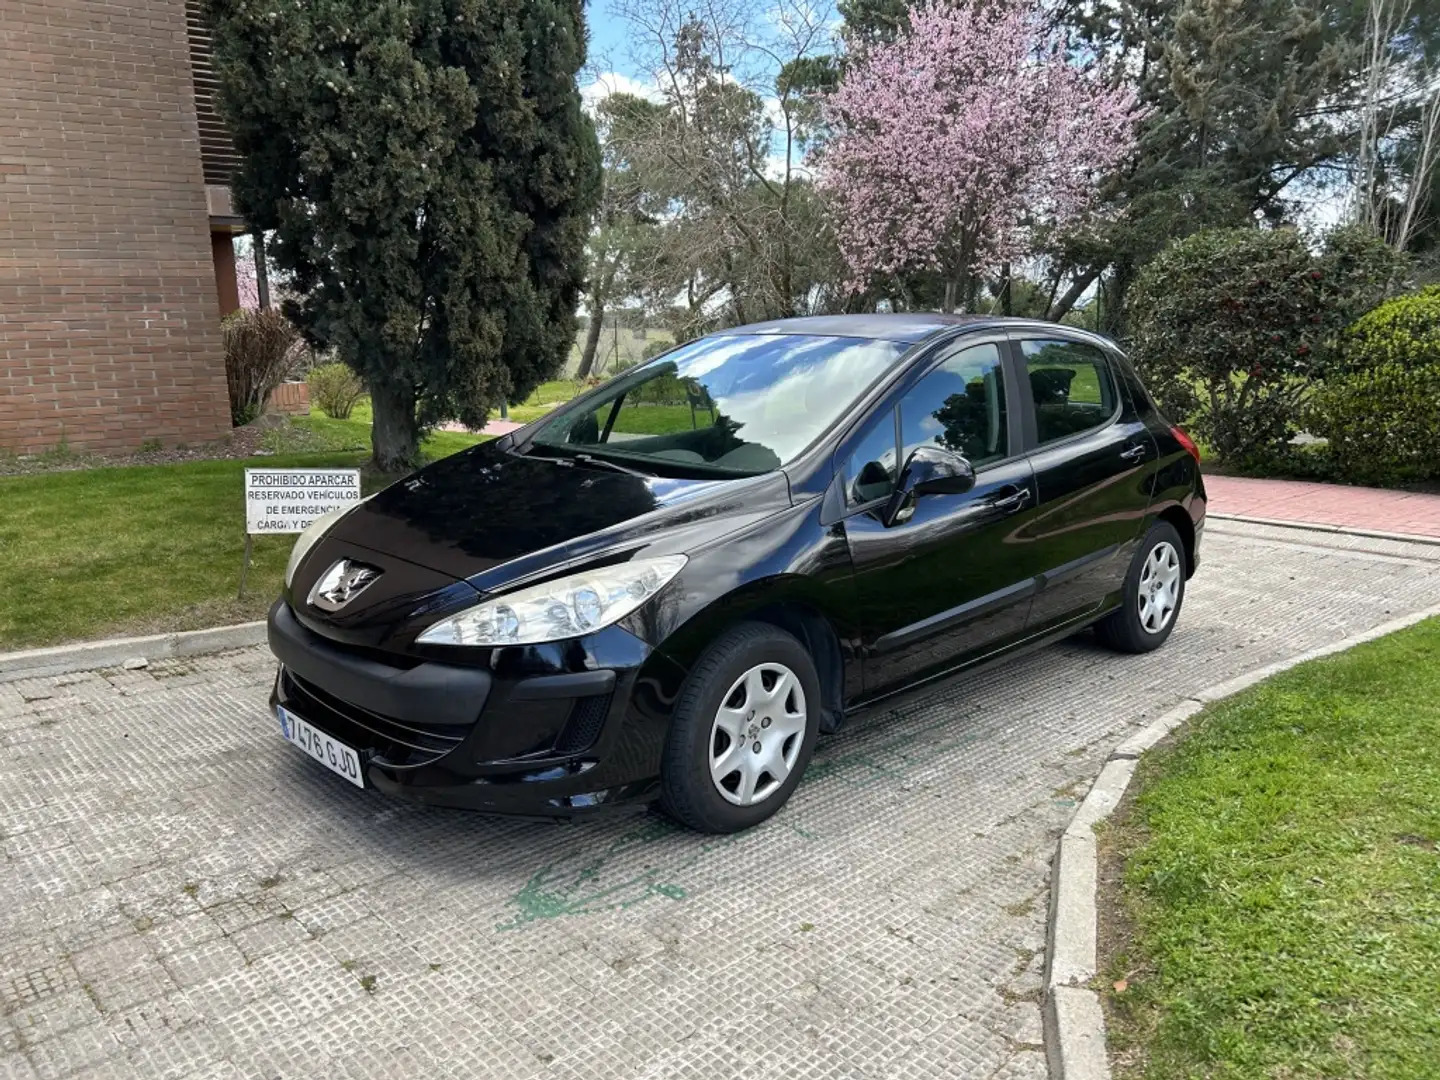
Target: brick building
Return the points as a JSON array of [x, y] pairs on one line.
[[116, 253]]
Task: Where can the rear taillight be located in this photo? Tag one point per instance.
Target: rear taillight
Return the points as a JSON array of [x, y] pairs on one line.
[[1187, 442]]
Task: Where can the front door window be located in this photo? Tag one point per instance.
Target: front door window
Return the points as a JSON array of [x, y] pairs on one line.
[[958, 406]]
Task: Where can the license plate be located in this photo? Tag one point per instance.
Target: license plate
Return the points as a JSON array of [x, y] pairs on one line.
[[328, 751]]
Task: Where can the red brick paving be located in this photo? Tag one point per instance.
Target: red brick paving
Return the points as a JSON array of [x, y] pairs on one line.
[[1370, 509]]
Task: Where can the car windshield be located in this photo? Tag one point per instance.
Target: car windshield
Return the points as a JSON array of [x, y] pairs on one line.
[[738, 404]]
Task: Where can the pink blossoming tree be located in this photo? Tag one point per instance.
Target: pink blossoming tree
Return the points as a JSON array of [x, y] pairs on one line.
[[953, 142], [247, 282]]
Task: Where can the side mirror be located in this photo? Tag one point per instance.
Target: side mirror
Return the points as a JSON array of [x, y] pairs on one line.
[[928, 470]]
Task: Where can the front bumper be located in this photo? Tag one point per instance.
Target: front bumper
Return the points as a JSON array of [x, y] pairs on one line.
[[541, 731]]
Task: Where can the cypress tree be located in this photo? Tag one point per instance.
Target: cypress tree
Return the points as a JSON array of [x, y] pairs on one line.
[[429, 177]]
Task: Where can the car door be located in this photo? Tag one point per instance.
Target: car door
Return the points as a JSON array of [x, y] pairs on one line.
[[941, 582], [1089, 451]]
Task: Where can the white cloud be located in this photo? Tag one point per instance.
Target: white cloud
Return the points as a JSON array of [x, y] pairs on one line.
[[775, 160], [1322, 209], [615, 82], [773, 113]]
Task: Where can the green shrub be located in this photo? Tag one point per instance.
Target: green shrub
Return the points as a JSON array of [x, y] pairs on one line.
[[1383, 424], [1380, 411], [663, 390], [1234, 327], [336, 389], [1404, 331], [261, 349]]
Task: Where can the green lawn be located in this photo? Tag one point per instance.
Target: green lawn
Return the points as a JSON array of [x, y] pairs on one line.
[[523, 414], [553, 392], [319, 433], [151, 548], [545, 398], [1084, 388], [659, 419], [1282, 880]]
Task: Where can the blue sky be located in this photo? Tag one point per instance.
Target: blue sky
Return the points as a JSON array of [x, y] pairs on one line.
[[607, 33], [757, 32], [610, 47]]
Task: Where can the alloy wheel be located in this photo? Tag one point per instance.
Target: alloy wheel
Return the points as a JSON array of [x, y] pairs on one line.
[[757, 734], [1159, 592]]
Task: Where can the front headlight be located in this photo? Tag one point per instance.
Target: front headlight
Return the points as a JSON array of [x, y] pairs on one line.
[[564, 608], [311, 536]]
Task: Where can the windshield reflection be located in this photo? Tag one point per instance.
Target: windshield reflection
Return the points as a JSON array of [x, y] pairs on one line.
[[736, 404]]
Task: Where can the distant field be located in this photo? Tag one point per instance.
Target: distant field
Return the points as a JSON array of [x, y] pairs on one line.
[[622, 344]]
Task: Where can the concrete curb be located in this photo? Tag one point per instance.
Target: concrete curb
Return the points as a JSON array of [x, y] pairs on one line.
[[1314, 526], [114, 652], [1073, 1020]]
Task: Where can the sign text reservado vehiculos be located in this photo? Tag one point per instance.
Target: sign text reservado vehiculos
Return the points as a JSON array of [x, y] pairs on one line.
[[287, 500]]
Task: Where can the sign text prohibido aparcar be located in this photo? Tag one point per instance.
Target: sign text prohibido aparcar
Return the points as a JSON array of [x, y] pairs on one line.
[[287, 500]]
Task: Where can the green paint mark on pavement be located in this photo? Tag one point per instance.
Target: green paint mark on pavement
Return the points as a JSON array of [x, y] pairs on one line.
[[556, 891], [861, 757]]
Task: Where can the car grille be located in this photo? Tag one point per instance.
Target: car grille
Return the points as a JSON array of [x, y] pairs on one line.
[[399, 743]]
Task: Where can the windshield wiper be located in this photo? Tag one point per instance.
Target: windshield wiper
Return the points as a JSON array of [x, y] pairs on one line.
[[591, 459], [570, 457], [569, 463]]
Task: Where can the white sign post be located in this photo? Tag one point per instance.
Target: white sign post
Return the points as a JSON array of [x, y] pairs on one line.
[[287, 500]]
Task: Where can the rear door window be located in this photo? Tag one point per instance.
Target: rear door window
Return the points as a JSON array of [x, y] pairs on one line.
[[1071, 385]]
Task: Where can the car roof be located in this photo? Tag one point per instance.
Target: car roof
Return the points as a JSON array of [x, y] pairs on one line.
[[908, 328]]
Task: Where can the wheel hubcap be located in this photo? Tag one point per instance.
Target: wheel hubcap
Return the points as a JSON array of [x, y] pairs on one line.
[[1159, 588], [757, 734]]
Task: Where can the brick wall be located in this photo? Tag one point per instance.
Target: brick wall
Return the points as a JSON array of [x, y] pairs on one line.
[[109, 316], [290, 397]]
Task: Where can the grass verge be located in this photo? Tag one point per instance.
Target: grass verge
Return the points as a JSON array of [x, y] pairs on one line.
[[105, 552], [321, 434], [1278, 914]]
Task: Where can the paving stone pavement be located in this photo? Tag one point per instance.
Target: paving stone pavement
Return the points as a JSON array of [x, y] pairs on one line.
[[184, 895]]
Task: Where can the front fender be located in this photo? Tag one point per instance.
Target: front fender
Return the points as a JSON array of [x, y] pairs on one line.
[[789, 562]]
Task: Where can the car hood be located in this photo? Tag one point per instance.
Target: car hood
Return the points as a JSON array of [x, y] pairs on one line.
[[492, 514]]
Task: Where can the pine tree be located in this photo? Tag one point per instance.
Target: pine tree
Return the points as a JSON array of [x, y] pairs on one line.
[[1251, 107], [429, 177], [870, 21]]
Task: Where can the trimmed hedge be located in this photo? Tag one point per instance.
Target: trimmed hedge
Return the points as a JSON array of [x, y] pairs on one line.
[[1381, 411], [1404, 331], [1383, 425]]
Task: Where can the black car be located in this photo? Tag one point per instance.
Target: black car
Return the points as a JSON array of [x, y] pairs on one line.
[[671, 586]]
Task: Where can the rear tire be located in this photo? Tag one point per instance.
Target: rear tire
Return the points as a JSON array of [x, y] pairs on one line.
[[1153, 593], [743, 730]]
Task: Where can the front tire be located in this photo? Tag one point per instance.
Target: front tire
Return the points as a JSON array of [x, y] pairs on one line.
[[1154, 590], [743, 731]]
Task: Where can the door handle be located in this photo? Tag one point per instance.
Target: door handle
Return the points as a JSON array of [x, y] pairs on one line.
[[1014, 500], [1133, 453]]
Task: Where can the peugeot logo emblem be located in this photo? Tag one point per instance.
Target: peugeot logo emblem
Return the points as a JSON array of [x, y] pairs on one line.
[[342, 583]]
